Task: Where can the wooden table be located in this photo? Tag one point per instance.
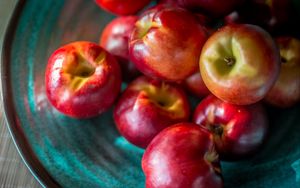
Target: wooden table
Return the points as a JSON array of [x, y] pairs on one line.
[[13, 172]]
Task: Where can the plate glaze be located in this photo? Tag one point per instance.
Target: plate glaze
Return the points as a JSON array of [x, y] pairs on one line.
[[65, 152]]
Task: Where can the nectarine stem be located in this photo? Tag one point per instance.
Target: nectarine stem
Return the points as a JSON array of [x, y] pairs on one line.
[[217, 130], [229, 60]]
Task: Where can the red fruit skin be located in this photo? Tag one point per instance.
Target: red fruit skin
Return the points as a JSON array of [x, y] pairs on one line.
[[140, 114], [238, 131], [195, 85], [182, 156], [114, 39], [254, 71], [215, 8], [286, 91], [202, 19], [82, 80], [122, 7], [166, 43]]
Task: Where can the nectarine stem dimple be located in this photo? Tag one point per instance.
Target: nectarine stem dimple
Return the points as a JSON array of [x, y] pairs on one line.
[[143, 27], [217, 129], [283, 60], [229, 61], [80, 72], [83, 71], [83, 68], [161, 97], [162, 103]]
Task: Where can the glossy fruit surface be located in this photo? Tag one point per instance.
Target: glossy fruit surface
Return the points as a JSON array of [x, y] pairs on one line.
[[114, 39], [122, 7], [182, 156], [106, 160], [240, 63], [286, 91], [166, 43], [195, 85], [238, 131], [146, 107], [82, 79]]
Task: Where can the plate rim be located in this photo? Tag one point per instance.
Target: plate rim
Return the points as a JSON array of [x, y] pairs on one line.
[[23, 147]]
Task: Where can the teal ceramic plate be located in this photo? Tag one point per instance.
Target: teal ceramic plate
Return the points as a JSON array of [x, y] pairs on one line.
[[63, 152]]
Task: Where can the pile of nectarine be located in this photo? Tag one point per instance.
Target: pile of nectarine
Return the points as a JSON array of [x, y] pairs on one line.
[[247, 57]]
